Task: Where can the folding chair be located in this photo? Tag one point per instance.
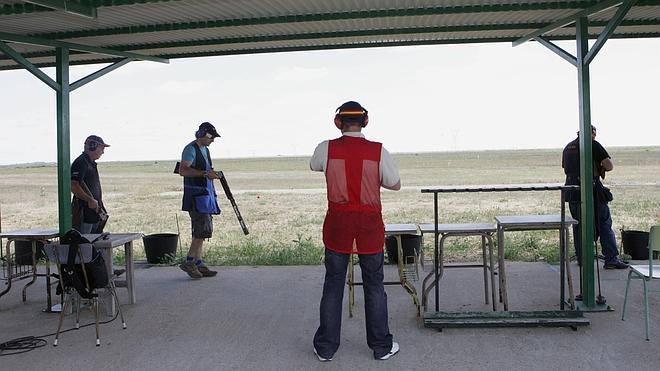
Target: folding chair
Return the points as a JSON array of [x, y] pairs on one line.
[[71, 260], [645, 272]]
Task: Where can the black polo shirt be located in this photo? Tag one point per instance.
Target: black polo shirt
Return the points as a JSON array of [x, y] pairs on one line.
[[570, 161], [84, 171]]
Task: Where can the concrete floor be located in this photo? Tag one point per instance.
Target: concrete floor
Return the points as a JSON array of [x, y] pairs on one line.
[[263, 318]]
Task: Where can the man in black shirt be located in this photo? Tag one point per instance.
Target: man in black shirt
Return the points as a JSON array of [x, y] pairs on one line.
[[88, 209], [602, 163]]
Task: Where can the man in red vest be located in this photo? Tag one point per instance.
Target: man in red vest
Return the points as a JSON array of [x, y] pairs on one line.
[[355, 169]]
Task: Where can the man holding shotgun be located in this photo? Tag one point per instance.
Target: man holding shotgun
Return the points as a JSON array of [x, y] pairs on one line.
[[602, 163], [199, 197], [89, 213]]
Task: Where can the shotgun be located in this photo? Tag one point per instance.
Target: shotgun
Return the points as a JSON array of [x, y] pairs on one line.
[[230, 197], [101, 211]]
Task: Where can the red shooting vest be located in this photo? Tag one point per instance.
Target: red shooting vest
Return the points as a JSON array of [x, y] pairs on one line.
[[353, 185]]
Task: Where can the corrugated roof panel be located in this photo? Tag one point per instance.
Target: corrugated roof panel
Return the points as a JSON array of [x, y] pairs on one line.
[[642, 13], [371, 40], [305, 28], [210, 26], [208, 10]]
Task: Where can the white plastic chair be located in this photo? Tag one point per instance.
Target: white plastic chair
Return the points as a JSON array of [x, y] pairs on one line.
[[645, 272]]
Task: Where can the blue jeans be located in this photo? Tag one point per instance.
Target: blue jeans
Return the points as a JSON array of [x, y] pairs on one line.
[[607, 236], [379, 339]]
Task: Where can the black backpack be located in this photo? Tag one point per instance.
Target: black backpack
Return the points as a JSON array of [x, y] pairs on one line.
[[95, 274]]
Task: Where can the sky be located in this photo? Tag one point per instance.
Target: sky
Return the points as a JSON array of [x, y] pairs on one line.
[[420, 99]]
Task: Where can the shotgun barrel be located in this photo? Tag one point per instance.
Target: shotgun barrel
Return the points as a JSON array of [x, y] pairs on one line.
[[230, 197]]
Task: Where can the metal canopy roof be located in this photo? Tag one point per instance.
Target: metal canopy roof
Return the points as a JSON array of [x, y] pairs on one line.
[[189, 28], [63, 32]]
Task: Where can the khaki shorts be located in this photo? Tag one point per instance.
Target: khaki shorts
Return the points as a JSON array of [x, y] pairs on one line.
[[202, 224]]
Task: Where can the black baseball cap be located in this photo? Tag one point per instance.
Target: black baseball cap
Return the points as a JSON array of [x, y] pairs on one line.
[[351, 106], [351, 111], [207, 128]]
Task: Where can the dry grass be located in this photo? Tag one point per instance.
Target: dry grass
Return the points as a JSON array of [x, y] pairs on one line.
[[283, 202]]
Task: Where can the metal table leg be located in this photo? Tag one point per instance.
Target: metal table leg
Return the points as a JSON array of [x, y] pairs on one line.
[[484, 261], [492, 270], [426, 290], [49, 296], [501, 269], [8, 262], [130, 282], [109, 303], [435, 251], [438, 271], [34, 270], [569, 275], [562, 267]]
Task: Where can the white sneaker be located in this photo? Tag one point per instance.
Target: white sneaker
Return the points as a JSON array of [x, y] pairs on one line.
[[393, 351], [326, 359]]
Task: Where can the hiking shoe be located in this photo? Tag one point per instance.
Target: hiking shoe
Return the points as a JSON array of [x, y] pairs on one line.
[[205, 271], [191, 269], [615, 264], [321, 358], [393, 351]]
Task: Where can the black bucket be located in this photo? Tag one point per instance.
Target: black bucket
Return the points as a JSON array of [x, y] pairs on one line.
[[410, 245], [160, 248], [24, 252], [635, 244]]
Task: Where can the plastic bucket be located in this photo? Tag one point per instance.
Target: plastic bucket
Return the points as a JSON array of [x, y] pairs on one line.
[[160, 248], [635, 244], [410, 245], [24, 252]]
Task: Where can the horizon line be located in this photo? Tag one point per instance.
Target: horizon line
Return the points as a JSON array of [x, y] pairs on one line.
[[54, 163]]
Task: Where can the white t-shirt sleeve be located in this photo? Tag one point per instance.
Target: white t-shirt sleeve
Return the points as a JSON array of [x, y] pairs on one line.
[[389, 173], [320, 157]]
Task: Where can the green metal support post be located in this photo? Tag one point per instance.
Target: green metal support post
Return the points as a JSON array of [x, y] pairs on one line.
[[63, 138], [584, 56], [586, 170]]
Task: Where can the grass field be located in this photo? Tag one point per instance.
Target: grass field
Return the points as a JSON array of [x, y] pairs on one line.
[[283, 202]]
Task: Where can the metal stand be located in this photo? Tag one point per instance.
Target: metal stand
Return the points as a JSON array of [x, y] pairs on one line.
[[485, 231], [406, 273]]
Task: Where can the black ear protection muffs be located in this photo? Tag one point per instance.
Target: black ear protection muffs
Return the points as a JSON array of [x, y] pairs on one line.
[[200, 133], [351, 111], [91, 145]]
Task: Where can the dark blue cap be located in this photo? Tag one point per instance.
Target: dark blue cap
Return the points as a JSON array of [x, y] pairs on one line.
[[207, 128]]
